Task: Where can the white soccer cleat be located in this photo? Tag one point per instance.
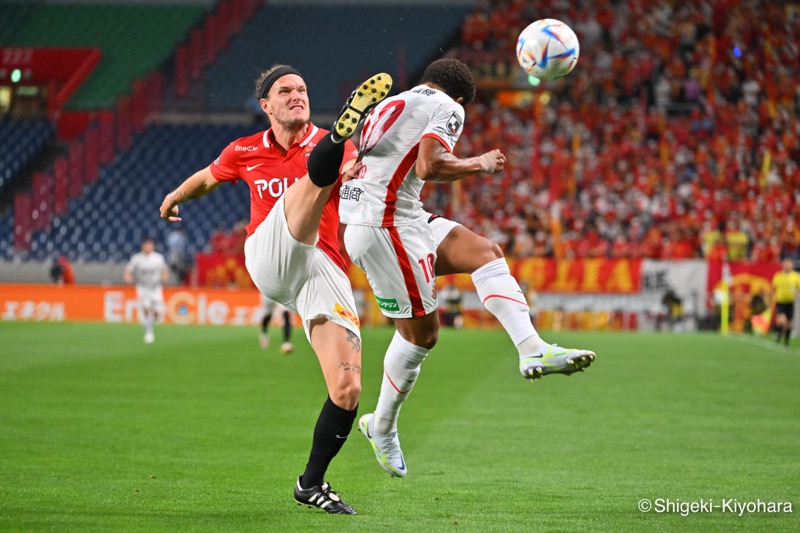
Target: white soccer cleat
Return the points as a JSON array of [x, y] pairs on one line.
[[555, 360], [386, 447], [263, 340], [149, 337], [287, 348]]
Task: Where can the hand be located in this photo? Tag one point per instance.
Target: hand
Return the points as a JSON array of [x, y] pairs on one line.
[[169, 209], [352, 172], [492, 162]]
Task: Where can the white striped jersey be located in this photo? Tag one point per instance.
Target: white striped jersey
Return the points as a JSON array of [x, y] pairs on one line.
[[387, 192]]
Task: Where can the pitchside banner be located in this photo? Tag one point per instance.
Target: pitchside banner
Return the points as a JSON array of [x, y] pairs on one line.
[[578, 276], [688, 279], [753, 278], [39, 302]]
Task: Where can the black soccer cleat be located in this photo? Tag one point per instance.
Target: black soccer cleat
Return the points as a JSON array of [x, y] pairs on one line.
[[322, 497], [361, 102]]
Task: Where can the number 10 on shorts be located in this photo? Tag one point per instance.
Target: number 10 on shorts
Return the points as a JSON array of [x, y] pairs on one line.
[[427, 264]]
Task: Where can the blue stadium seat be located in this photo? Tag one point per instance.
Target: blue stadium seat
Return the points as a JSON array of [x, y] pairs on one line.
[[21, 140], [404, 36], [111, 218]]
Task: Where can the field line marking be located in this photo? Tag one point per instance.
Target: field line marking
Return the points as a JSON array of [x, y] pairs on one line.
[[763, 343]]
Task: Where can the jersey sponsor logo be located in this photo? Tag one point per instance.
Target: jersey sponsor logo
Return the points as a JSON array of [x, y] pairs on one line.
[[442, 132], [238, 148], [249, 167], [347, 314], [274, 187], [350, 193], [424, 90], [454, 124], [387, 304]]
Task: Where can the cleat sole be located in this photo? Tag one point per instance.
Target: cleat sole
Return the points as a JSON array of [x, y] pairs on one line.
[[567, 366], [372, 92]]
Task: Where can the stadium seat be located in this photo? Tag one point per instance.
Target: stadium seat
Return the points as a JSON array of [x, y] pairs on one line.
[[22, 141], [272, 34], [114, 214]]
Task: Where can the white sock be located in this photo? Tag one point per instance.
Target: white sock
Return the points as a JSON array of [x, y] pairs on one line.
[[401, 367], [501, 295], [148, 320]]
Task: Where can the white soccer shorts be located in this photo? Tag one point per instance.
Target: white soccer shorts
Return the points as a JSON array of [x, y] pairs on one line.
[[399, 264], [440, 226], [271, 307], [150, 298], [300, 277]]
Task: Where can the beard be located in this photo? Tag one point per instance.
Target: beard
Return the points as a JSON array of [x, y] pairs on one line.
[[293, 124]]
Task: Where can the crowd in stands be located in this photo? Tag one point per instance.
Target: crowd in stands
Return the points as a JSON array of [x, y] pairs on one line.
[[676, 136], [228, 242]]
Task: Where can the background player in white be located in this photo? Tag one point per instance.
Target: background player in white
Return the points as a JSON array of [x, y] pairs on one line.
[[270, 307], [148, 270], [407, 140], [292, 248]]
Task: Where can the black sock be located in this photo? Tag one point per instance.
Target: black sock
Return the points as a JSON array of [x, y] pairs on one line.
[[333, 424], [287, 326], [786, 335], [265, 323], [324, 162]]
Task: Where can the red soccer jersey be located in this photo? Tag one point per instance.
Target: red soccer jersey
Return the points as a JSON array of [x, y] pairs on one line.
[[269, 171]]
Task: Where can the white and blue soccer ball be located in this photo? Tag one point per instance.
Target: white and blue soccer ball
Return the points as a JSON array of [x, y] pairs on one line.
[[548, 49]]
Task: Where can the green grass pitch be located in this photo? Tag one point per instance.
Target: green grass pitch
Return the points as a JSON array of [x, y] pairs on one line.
[[204, 431]]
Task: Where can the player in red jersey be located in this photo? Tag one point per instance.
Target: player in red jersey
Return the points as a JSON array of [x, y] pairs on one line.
[[292, 247]]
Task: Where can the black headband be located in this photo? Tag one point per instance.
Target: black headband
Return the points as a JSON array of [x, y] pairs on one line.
[[273, 77]]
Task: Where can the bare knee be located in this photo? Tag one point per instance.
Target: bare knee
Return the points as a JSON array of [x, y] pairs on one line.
[[420, 331], [346, 393], [424, 339], [486, 251], [492, 251]]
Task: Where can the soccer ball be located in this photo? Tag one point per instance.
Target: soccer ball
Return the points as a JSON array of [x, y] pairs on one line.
[[548, 49]]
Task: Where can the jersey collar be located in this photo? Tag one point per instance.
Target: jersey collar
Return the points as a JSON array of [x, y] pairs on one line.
[[268, 135]]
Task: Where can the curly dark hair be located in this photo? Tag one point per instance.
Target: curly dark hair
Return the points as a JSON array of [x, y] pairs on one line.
[[453, 76]]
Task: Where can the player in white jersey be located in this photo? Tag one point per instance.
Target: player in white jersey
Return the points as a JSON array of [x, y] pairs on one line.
[[148, 270], [270, 308], [406, 141]]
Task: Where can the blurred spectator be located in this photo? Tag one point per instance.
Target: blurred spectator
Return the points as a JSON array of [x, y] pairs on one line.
[[226, 242], [736, 241], [673, 309], [61, 271], [452, 314], [177, 258]]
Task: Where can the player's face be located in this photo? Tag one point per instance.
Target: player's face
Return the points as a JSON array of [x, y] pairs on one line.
[[148, 247], [287, 102]]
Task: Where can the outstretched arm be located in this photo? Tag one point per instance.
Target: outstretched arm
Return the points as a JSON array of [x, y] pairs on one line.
[[198, 184], [435, 163]]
